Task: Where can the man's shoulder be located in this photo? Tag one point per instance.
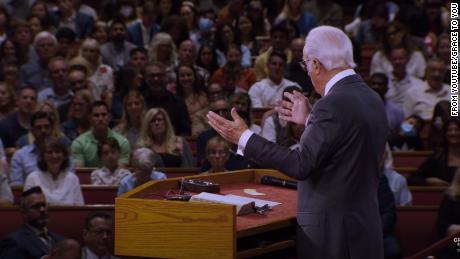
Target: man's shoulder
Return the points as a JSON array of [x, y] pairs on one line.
[[84, 138], [120, 138]]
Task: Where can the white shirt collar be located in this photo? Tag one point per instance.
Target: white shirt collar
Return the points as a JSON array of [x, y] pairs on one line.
[[336, 78]]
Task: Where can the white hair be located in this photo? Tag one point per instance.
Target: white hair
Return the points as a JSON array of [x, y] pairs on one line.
[[44, 35], [143, 158], [331, 46], [159, 39]]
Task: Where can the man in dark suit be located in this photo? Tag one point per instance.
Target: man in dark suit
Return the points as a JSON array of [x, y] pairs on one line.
[[141, 32], [32, 240], [337, 162]]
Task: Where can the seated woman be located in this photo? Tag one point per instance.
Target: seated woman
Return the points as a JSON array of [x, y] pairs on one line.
[[449, 215], [131, 121], [407, 137], [439, 168], [190, 88], [157, 133], [78, 116], [217, 153], [143, 163], [111, 173], [60, 186], [49, 109], [441, 114]]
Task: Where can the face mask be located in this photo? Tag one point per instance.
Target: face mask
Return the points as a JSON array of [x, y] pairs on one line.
[[204, 24], [437, 122], [126, 11], [408, 130]]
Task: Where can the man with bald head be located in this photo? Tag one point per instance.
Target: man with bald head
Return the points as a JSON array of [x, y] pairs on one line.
[[294, 71], [60, 93], [337, 162]]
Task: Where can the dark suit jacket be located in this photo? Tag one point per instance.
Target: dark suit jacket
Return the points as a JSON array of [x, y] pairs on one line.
[[25, 244], [83, 23], [135, 33], [337, 168]]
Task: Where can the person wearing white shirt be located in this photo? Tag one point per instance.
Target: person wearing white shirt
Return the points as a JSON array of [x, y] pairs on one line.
[[60, 186], [399, 80], [268, 91], [421, 100], [415, 66], [397, 182]]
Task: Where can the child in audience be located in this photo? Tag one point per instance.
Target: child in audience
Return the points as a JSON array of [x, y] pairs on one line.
[[111, 173], [143, 163]]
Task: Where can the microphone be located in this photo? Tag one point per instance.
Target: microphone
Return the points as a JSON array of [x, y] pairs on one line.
[[270, 180]]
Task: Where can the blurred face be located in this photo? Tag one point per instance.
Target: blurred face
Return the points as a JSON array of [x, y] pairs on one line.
[[233, 56], [217, 156], [378, 85], [138, 60], [297, 50], [155, 78], [222, 108], [41, 128], [35, 212], [276, 68], [453, 134], [215, 90], [101, 35], [399, 60], [134, 106], [279, 40], [245, 25], [53, 158], [187, 13], [227, 35], [164, 51], [11, 73], [23, 35], [46, 48], [8, 49], [158, 125], [4, 96], [26, 101], [187, 51], [90, 54], [206, 56], [395, 36], [118, 32], [444, 49], [49, 111], [100, 118], [77, 80], [58, 72], [79, 107], [65, 5], [39, 10], [186, 77], [110, 155], [435, 72], [165, 6], [35, 25], [99, 237]]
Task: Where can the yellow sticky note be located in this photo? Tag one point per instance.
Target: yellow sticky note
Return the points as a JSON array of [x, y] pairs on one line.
[[252, 192]]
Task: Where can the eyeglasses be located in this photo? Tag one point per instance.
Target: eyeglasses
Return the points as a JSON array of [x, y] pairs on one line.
[[78, 82], [221, 111]]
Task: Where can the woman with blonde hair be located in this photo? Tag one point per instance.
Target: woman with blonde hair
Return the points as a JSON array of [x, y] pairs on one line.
[[99, 74], [157, 133], [51, 111], [78, 117], [217, 153], [131, 121], [163, 50]]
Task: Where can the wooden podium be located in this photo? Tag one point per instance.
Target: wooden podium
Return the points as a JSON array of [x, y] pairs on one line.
[[147, 225]]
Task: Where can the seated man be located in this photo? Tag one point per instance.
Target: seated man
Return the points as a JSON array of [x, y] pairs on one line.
[[98, 236], [32, 240], [84, 148], [268, 91], [65, 249]]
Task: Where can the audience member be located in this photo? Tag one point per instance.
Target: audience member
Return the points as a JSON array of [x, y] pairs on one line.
[[189, 86], [207, 58], [440, 167], [111, 173], [78, 117], [67, 45], [163, 50], [35, 73], [26, 52], [268, 91], [199, 120], [7, 98], [158, 135], [372, 30], [58, 183], [326, 12], [421, 100], [9, 49], [133, 112], [398, 183], [190, 13], [294, 70], [59, 93], [115, 52], [98, 236], [32, 240], [67, 16], [138, 58], [141, 32], [176, 26], [246, 34], [395, 115], [441, 115], [126, 79], [225, 36], [84, 148], [187, 55], [40, 9], [65, 249], [443, 52], [293, 11], [233, 76], [100, 32], [77, 76], [217, 153], [143, 164], [16, 124], [407, 136], [156, 95], [3, 160], [243, 105]]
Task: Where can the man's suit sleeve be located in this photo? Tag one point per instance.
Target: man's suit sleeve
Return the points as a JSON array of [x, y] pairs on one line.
[[9, 249], [317, 144]]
